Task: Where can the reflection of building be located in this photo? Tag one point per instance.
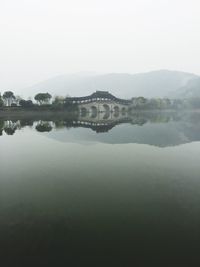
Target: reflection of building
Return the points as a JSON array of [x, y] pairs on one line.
[[100, 101], [100, 126], [101, 121]]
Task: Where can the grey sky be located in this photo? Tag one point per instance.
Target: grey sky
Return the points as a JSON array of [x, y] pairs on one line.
[[44, 38]]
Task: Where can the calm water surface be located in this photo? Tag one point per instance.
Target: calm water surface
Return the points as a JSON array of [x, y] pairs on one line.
[[80, 191]]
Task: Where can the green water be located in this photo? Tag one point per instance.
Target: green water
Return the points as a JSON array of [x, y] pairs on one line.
[[129, 196]]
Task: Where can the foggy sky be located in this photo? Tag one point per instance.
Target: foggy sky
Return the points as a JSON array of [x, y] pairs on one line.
[[44, 38]]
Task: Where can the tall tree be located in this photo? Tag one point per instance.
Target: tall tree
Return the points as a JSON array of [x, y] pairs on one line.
[[1, 101], [43, 98], [8, 96]]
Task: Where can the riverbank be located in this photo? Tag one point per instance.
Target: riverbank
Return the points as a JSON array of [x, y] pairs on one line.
[[16, 113]]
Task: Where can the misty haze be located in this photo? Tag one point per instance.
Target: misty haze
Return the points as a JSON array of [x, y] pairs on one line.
[[99, 133]]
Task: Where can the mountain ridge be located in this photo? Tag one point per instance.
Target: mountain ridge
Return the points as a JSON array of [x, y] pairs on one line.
[[160, 83]]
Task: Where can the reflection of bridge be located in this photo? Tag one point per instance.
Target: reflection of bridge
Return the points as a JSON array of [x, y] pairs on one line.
[[100, 101], [99, 127], [101, 121]]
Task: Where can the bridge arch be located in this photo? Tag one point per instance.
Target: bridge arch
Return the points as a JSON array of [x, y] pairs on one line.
[[116, 109], [106, 108], [123, 110], [106, 115], [94, 111], [83, 111]]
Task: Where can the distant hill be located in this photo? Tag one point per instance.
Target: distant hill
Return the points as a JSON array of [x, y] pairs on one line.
[[191, 89], [162, 83]]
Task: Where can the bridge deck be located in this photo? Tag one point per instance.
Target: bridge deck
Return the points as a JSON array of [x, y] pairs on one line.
[[98, 96]]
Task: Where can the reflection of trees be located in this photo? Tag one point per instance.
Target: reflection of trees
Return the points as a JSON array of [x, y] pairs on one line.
[[141, 118], [9, 131], [59, 124], [101, 124], [26, 122], [43, 126], [1, 127], [139, 121], [160, 118], [10, 127]]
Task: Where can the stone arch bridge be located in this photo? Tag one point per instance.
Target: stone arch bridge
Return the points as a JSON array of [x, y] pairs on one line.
[[100, 101]]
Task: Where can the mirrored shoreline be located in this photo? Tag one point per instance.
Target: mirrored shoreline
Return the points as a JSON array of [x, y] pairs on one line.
[[154, 128]]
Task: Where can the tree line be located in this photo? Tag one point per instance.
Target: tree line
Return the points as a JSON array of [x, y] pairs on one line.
[[45, 100], [42, 100]]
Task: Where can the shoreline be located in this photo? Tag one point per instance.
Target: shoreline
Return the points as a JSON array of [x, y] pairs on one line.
[[12, 113]]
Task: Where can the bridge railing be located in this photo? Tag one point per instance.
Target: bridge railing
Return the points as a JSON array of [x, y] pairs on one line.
[[86, 101]]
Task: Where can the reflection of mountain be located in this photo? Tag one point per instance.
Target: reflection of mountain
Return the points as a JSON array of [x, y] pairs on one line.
[[153, 134], [158, 129], [154, 129]]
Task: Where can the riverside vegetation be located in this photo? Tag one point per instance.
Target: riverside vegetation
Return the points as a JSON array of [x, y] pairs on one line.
[[44, 101]]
